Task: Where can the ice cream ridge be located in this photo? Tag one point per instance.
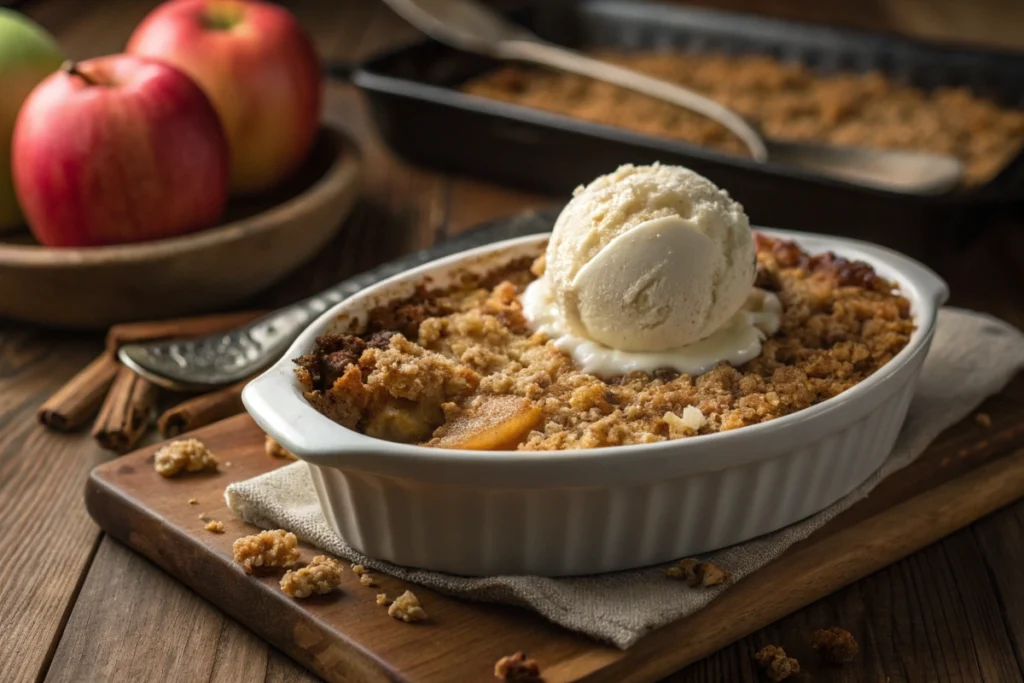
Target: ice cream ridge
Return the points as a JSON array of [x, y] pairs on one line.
[[649, 268]]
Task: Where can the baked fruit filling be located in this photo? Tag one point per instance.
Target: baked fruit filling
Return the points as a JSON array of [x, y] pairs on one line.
[[461, 368]]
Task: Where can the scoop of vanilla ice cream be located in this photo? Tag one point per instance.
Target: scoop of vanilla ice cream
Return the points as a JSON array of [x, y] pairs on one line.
[[650, 258]]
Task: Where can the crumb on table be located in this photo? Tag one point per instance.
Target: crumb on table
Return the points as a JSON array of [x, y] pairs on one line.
[[835, 645], [321, 576], [697, 573], [983, 420], [358, 569], [193, 501], [406, 607], [517, 668], [382, 599], [777, 666], [366, 579], [276, 450], [189, 455], [277, 548], [215, 527]]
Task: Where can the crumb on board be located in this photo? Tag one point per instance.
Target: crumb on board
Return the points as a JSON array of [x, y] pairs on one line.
[[983, 420], [835, 645], [366, 579], [382, 599], [777, 666], [203, 517], [276, 450], [358, 569], [517, 668], [277, 548], [321, 576], [188, 455], [215, 527], [406, 607], [697, 573], [193, 501]]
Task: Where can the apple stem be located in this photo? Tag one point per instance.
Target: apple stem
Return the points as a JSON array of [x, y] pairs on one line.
[[70, 67]]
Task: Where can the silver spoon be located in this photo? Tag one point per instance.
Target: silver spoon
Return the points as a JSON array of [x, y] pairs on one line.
[[469, 26]]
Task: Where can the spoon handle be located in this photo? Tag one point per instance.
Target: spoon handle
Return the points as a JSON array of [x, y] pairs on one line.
[[556, 57]]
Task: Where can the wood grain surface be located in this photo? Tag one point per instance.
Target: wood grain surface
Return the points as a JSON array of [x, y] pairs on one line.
[[952, 612], [349, 637]]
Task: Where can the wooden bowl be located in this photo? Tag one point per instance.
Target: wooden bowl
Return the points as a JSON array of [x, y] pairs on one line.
[[262, 240]]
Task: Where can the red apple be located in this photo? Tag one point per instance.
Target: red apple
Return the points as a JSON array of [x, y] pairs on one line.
[[258, 68], [118, 149]]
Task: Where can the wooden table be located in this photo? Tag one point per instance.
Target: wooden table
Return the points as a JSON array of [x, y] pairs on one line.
[[77, 606]]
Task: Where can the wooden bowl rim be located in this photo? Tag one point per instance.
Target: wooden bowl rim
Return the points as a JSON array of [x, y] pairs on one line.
[[342, 170]]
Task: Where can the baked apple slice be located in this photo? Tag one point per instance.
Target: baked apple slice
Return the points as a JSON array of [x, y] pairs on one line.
[[492, 423]]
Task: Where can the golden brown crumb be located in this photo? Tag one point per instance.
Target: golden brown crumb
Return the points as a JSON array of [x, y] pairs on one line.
[[215, 527], [406, 607], [203, 517], [277, 548], [517, 668], [276, 450], [983, 420], [321, 576], [193, 501], [777, 666], [382, 599], [189, 455], [366, 579], [697, 573], [841, 322], [835, 645], [358, 569], [788, 101]]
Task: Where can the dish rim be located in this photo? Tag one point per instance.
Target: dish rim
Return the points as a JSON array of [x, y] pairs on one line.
[[275, 401]]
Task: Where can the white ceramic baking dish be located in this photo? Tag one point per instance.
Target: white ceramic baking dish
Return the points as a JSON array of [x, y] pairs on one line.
[[598, 510]]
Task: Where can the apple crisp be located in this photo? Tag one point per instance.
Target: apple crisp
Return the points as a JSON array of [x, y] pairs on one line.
[[277, 548], [787, 100], [517, 667], [835, 645], [321, 576], [460, 368], [776, 664], [188, 455], [406, 607]]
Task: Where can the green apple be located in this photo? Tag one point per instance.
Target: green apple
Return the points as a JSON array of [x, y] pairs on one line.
[[28, 54]]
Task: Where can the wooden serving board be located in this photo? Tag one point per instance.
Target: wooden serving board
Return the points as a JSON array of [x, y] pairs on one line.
[[969, 472]]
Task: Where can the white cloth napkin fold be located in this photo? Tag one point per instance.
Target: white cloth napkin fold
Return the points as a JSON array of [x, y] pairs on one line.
[[973, 356]]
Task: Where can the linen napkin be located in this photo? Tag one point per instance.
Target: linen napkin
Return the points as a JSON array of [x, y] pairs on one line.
[[972, 357]]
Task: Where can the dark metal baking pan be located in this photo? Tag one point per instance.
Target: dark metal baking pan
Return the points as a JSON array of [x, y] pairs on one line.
[[413, 92]]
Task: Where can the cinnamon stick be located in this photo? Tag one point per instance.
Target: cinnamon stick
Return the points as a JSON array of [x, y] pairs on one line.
[[202, 410], [127, 333], [126, 413], [77, 401]]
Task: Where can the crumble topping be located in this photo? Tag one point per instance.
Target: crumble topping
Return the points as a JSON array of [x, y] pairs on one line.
[[697, 573], [835, 645], [366, 580], [406, 607], [517, 668], [382, 599], [189, 455], [276, 450], [777, 666], [461, 368], [787, 101], [321, 576], [277, 548], [215, 527]]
